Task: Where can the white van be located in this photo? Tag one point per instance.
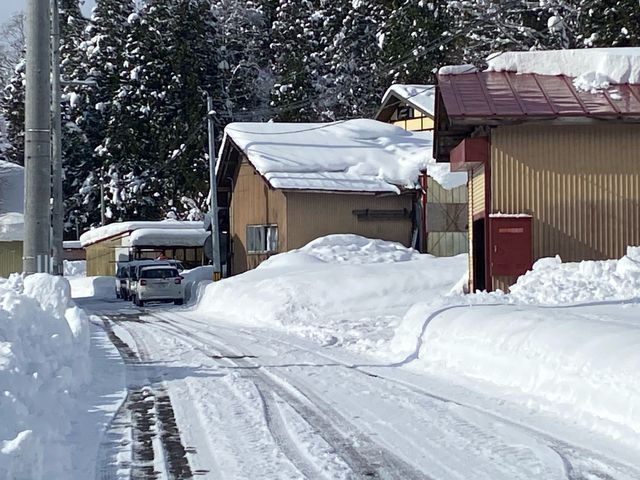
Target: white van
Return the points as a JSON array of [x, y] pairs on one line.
[[158, 283]]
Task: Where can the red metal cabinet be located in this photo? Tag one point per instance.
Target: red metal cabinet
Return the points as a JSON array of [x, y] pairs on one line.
[[510, 244]]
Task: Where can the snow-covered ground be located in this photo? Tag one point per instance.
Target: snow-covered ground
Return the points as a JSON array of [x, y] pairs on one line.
[[353, 357]]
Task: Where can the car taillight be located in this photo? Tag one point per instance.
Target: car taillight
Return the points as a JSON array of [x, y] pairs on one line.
[[178, 281], [143, 282]]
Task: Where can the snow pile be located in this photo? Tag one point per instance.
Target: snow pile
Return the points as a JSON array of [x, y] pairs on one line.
[[337, 290], [593, 68], [119, 228], [44, 364], [98, 287], [194, 280], [75, 268], [353, 155], [572, 362], [419, 96], [554, 282], [11, 227], [183, 237]]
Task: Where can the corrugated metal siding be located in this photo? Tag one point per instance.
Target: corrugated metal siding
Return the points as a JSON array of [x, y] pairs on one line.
[[254, 203], [312, 215], [478, 192], [10, 258], [101, 257], [581, 184]]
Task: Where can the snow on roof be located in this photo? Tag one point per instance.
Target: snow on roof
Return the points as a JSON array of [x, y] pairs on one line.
[[71, 244], [113, 229], [11, 227], [11, 187], [162, 237], [420, 97], [354, 155], [457, 69], [593, 68]]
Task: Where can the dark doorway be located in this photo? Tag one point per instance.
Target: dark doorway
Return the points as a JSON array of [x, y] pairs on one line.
[[479, 263]]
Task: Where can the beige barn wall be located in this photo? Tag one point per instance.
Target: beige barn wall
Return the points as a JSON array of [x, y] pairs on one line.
[[10, 258], [312, 215], [101, 257], [581, 184], [254, 203]]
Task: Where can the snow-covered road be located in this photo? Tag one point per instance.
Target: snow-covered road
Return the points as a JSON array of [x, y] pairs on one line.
[[214, 400]]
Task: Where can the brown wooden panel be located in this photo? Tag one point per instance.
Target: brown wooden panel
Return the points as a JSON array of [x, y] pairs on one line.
[[312, 215], [254, 203]]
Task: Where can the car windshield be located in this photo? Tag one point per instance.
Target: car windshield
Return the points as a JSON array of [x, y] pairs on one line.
[[159, 273]]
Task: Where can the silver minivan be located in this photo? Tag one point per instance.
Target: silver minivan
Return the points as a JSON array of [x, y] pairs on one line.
[[158, 283]]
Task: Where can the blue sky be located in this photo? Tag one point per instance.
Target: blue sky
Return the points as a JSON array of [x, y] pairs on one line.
[[8, 7]]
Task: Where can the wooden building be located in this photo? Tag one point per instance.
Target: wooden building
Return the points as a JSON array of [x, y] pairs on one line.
[[123, 241], [443, 206], [283, 185], [553, 170]]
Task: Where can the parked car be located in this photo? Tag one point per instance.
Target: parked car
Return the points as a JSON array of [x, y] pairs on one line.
[[130, 275], [122, 273], [161, 283]]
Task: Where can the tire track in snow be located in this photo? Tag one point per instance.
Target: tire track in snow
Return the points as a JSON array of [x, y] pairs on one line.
[[365, 458], [573, 457], [148, 414]]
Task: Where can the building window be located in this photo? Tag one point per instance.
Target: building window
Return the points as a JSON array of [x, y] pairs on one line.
[[262, 238]]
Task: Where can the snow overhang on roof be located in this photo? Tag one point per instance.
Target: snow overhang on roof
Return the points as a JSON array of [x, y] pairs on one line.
[[121, 228], [161, 237], [11, 187], [540, 85], [346, 156], [420, 97], [11, 227]]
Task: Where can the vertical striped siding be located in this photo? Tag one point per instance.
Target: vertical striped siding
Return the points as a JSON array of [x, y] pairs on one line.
[[581, 184], [10, 258]]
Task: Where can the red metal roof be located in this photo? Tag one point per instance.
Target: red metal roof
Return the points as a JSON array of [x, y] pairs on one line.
[[511, 95]]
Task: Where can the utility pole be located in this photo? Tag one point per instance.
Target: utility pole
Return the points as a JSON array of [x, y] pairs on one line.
[[57, 214], [37, 148], [213, 207]]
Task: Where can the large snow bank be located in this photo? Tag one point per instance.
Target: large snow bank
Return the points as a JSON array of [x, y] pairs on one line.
[[593, 68], [11, 227], [119, 228], [97, 287], [553, 282], [419, 96], [44, 363], [572, 362], [75, 268], [340, 289], [11, 187]]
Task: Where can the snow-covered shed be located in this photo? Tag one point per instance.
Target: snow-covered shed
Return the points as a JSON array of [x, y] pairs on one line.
[[286, 184], [443, 206], [11, 217], [551, 141], [124, 241]]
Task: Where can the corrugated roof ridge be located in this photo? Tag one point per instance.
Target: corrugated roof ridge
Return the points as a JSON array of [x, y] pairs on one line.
[[485, 92], [515, 95], [554, 109]]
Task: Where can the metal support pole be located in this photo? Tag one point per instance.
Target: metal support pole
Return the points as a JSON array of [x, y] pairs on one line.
[[103, 218], [215, 234], [37, 148], [57, 215]]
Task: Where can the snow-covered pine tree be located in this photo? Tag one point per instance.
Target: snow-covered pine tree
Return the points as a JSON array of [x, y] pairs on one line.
[[12, 106], [302, 35], [157, 156]]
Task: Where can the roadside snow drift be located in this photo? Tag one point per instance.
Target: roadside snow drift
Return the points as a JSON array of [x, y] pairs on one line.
[[44, 363], [340, 289]]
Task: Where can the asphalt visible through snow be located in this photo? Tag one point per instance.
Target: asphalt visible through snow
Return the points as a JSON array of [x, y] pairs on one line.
[[212, 400]]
